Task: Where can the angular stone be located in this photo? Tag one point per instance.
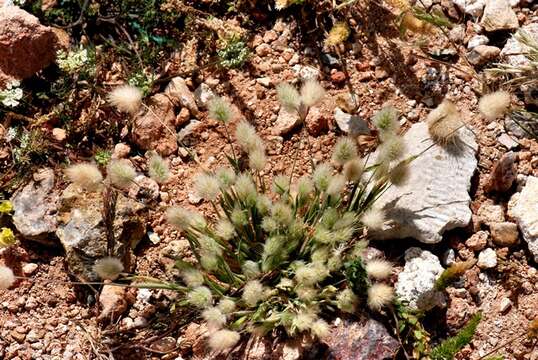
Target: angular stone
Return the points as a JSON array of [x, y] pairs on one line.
[[487, 259], [82, 231], [26, 46], [504, 233], [180, 95], [481, 54], [516, 48], [489, 213], [154, 129], [471, 7], [203, 94], [435, 197], [285, 122], [503, 174], [363, 339], [478, 241], [35, 208], [477, 40], [416, 283], [523, 208], [350, 124], [498, 15]]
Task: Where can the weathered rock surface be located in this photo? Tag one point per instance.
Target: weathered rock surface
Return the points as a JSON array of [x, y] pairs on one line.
[[180, 95], [471, 7], [26, 46], [114, 301], [481, 54], [498, 15], [350, 124], [364, 339], [504, 233], [523, 207], [435, 197], [203, 94], [487, 259], [35, 207], [516, 48], [82, 232], [503, 174], [416, 283], [154, 129], [285, 122]]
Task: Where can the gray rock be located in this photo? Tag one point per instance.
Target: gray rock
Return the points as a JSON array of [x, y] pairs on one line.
[[416, 283], [285, 122], [471, 7], [329, 60], [179, 93], [350, 124], [477, 40], [507, 141], [487, 259], [481, 54], [82, 232], [435, 197], [363, 339], [35, 207], [498, 15], [203, 94], [516, 48], [523, 208]]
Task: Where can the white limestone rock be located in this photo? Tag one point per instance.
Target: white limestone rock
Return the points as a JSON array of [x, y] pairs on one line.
[[487, 259], [471, 7], [416, 283], [498, 15], [523, 207], [435, 197]]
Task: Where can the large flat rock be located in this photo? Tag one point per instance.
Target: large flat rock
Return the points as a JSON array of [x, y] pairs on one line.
[[435, 197], [523, 207]]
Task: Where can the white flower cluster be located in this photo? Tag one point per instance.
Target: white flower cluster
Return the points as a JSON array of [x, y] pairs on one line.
[[71, 61], [12, 94]]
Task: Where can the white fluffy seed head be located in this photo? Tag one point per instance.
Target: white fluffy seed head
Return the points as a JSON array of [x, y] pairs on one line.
[[311, 274], [226, 305], [121, 173], [253, 292], [158, 169], [85, 176], [192, 277], [353, 170], [288, 96], [344, 151], [322, 176], [225, 229], [246, 189], [311, 92], [108, 268], [126, 98], [250, 269], [214, 317], [304, 320], [444, 122], [223, 339], [281, 184], [183, 218], [392, 148], [378, 269], [257, 160], [373, 218], [200, 297], [336, 185], [494, 105], [226, 176], [207, 186], [7, 278], [346, 301], [320, 328], [379, 296], [247, 137], [386, 121], [220, 109]]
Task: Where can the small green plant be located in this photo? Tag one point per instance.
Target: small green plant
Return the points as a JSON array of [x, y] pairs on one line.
[[411, 332], [234, 54], [142, 80], [452, 274], [102, 157], [448, 348], [7, 238], [11, 95]]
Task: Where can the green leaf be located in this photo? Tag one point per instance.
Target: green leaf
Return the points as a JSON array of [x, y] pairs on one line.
[[448, 348]]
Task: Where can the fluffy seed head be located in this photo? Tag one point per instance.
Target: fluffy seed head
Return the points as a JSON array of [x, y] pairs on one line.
[[245, 189], [225, 229], [304, 320], [322, 176], [311, 92], [399, 173], [263, 204], [86, 176], [378, 269], [311, 274], [494, 105], [214, 317], [6, 277], [338, 34], [192, 277], [121, 173], [226, 177], [346, 301], [183, 218], [320, 328], [379, 296], [207, 186], [353, 170], [108, 268], [444, 122], [200, 297], [239, 217], [257, 160], [253, 292], [392, 148], [247, 137], [282, 213], [344, 151], [337, 184], [220, 109], [227, 306], [126, 98], [288, 96], [373, 218], [250, 269], [281, 184], [209, 260], [223, 339], [305, 187], [386, 121], [158, 169]]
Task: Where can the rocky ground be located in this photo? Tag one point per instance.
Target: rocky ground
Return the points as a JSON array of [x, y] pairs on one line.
[[479, 201]]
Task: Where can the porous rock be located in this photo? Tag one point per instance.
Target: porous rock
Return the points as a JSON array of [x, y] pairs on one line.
[[35, 207], [523, 209], [498, 15], [435, 196]]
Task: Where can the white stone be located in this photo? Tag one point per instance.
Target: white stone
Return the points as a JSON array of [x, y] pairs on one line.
[[435, 197], [507, 141], [487, 259], [449, 257], [265, 81], [477, 40], [285, 122], [350, 124], [523, 207], [305, 72], [471, 7], [498, 15], [203, 94], [504, 304], [416, 283]]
